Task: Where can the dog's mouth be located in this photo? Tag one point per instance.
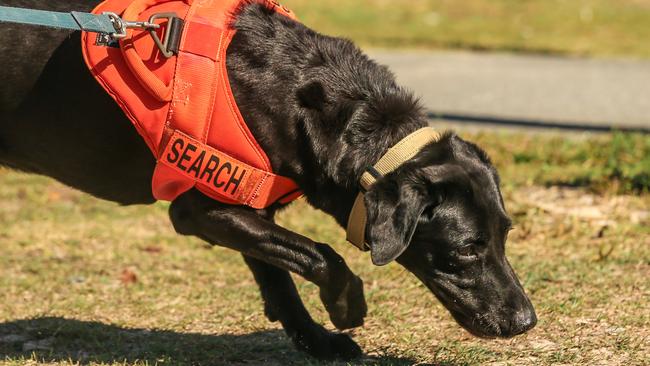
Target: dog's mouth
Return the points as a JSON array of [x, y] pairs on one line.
[[478, 324], [466, 307]]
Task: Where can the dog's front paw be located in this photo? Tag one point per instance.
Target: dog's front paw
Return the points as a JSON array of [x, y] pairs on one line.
[[347, 307], [324, 345]]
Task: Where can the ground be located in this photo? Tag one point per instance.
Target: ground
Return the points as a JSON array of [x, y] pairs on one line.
[[83, 281], [568, 27], [87, 282]]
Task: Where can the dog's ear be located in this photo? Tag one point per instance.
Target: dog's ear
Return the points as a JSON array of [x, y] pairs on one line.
[[312, 96], [395, 203], [393, 210]]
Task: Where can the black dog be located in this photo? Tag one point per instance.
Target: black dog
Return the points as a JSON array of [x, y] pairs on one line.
[[323, 112]]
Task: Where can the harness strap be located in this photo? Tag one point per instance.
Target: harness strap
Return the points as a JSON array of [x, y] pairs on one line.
[[396, 156], [211, 170]]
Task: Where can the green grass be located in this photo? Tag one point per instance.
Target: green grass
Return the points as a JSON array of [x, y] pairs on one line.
[[614, 163], [575, 27], [84, 281]]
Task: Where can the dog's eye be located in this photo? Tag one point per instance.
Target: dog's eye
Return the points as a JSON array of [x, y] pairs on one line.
[[466, 251]]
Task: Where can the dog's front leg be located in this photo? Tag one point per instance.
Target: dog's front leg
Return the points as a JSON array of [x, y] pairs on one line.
[[282, 303], [254, 235]]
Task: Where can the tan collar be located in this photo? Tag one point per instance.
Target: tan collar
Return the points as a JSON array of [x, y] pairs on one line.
[[397, 155]]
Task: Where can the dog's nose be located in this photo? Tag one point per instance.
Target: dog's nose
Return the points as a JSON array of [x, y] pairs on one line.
[[523, 321]]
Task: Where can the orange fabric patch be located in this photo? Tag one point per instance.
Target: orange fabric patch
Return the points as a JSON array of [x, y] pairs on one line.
[[214, 169]]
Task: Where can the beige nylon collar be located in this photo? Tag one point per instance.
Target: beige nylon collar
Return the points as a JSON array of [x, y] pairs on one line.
[[397, 155]]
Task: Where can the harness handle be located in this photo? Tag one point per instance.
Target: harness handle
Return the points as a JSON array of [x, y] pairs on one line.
[[147, 79]]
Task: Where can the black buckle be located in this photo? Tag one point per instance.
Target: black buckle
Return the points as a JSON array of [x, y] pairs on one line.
[[375, 174], [170, 44]]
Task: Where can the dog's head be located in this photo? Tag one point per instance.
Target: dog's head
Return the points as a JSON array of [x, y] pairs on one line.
[[441, 215]]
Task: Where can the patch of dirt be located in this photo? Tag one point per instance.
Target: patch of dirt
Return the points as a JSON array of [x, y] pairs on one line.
[[580, 204], [560, 211]]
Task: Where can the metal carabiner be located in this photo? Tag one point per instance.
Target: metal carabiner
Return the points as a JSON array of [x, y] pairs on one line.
[[121, 26], [168, 46]]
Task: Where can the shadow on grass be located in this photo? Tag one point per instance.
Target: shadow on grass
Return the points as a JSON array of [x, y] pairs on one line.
[[82, 342]]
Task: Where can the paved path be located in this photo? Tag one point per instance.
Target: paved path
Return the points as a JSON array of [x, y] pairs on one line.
[[550, 89]]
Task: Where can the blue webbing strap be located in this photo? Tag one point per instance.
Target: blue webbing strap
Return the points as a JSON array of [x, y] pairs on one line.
[[74, 20]]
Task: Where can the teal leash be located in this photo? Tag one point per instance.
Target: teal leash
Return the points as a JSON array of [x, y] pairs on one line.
[[109, 26], [103, 23]]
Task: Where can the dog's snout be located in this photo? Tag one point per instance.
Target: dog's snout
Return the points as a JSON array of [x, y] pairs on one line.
[[522, 321]]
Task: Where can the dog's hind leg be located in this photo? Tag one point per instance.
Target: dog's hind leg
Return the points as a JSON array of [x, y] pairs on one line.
[[254, 235], [282, 303]]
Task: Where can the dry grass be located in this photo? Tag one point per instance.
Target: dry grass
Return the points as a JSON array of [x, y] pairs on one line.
[[87, 282]]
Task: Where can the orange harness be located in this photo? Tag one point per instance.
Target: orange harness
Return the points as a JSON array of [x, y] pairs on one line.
[[183, 106]]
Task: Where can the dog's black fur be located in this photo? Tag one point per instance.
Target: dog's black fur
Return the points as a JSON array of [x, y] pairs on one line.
[[323, 112]]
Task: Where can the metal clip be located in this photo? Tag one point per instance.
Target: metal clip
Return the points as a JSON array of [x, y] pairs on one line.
[[121, 26], [168, 46]]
